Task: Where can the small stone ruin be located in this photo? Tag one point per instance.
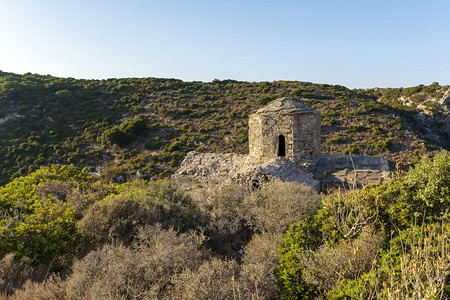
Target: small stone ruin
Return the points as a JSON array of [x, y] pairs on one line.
[[284, 144], [286, 128]]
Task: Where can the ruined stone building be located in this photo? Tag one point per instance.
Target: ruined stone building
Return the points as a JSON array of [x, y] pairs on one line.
[[286, 128], [284, 143]]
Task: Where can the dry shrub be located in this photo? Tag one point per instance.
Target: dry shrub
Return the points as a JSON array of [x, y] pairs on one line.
[[56, 189], [258, 265], [142, 272], [225, 279], [279, 204], [328, 265], [13, 274], [115, 218], [80, 200], [214, 279], [224, 224], [51, 289]]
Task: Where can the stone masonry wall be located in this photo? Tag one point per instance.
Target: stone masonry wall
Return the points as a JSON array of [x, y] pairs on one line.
[[301, 132]]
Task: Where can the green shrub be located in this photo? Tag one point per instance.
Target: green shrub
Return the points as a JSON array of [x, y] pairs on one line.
[[117, 217], [36, 222], [47, 235], [124, 133], [334, 252], [289, 273], [415, 265], [420, 195]]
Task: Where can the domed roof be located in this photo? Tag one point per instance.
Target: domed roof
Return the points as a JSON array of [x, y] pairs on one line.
[[285, 105]]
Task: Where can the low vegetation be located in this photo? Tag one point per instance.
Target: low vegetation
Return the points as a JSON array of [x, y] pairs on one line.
[[87, 210], [67, 235], [143, 127]]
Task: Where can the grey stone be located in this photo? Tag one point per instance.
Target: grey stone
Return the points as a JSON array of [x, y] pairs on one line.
[[341, 160], [282, 139], [284, 144]]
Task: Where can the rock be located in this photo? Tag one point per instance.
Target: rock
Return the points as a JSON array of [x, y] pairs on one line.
[[212, 169]]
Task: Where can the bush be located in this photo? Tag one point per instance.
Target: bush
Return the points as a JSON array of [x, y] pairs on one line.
[[214, 279], [114, 218], [224, 224], [48, 235], [14, 273], [117, 217], [260, 259], [420, 195], [342, 252], [415, 265], [328, 265], [277, 205], [335, 243], [50, 289], [142, 272], [289, 273], [124, 133]]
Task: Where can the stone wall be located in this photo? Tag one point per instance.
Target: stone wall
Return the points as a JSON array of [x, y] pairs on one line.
[[300, 131], [351, 171], [306, 136]]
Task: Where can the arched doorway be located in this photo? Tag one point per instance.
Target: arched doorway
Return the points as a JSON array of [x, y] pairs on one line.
[[281, 145]]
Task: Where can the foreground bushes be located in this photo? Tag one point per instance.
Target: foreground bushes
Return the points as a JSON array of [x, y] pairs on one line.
[[36, 222], [116, 217], [386, 242], [143, 240]]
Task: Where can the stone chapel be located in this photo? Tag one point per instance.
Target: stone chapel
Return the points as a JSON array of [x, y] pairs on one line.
[[284, 144], [286, 127]]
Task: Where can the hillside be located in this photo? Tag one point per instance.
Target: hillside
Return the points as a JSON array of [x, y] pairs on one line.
[[65, 234], [143, 127]]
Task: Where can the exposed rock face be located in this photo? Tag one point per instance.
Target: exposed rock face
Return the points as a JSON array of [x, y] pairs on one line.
[[9, 117], [208, 170]]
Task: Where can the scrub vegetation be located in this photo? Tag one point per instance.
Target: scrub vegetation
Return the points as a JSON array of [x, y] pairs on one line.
[[67, 235], [123, 128], [87, 210]]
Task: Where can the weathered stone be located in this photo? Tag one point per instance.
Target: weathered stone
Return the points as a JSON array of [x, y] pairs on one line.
[[341, 160], [211, 170], [284, 141], [364, 160], [292, 132]]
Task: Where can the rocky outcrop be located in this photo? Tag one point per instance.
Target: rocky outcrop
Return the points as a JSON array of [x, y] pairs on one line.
[[9, 117], [210, 170]]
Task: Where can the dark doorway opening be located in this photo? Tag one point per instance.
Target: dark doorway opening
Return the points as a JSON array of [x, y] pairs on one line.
[[281, 145]]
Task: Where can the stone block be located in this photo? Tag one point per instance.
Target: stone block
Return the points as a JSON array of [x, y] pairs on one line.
[[328, 179], [341, 160], [319, 175], [364, 160], [374, 162]]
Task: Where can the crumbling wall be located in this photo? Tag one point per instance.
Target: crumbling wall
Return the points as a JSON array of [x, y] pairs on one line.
[[209, 170]]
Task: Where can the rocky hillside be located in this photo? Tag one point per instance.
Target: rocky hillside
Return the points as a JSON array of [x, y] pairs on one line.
[[143, 127]]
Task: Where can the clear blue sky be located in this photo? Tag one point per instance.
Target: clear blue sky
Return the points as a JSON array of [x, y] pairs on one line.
[[359, 43]]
